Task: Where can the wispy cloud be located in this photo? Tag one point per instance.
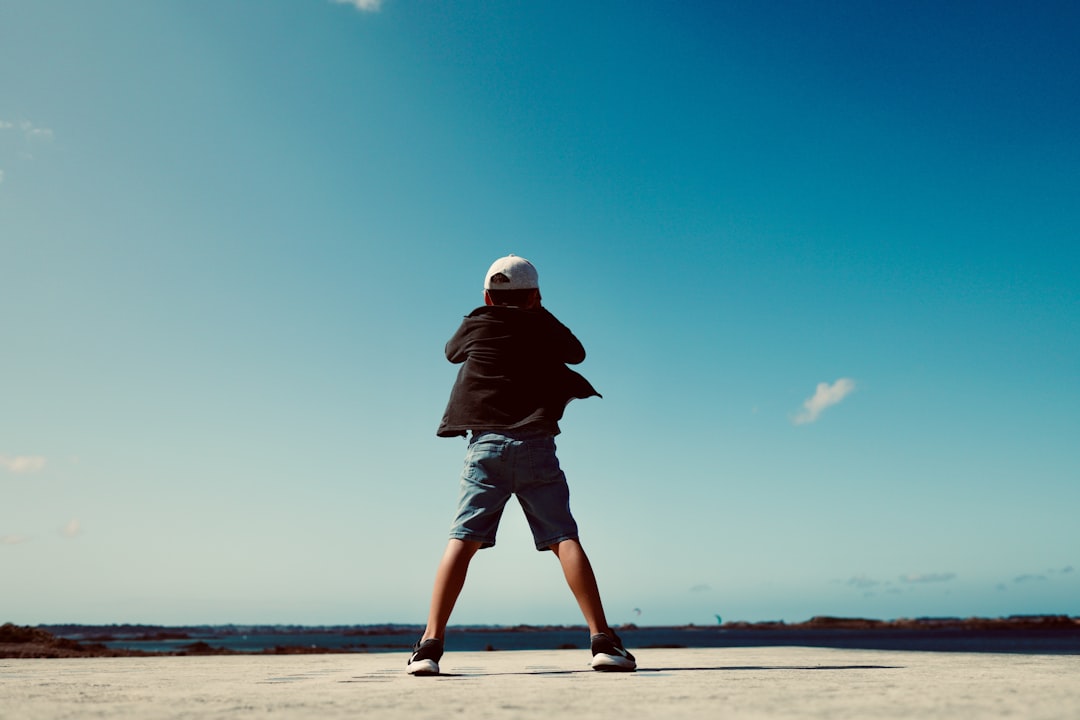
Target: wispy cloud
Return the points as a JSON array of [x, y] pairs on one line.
[[33, 137], [862, 582], [701, 587], [928, 577], [825, 396], [29, 129], [72, 529], [12, 539], [364, 5], [5, 125], [33, 131], [22, 463], [1021, 579], [1051, 575]]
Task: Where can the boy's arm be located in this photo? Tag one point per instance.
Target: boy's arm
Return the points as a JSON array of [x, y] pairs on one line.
[[565, 345], [455, 346]]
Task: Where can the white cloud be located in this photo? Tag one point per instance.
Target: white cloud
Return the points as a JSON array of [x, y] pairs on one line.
[[928, 577], [365, 5], [23, 463], [72, 528], [12, 539], [32, 131], [32, 137], [29, 130], [825, 396]]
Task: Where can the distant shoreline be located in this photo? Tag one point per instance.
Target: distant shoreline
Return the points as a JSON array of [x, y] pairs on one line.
[[1017, 633]]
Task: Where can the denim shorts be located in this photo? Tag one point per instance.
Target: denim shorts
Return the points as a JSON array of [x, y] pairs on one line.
[[504, 463]]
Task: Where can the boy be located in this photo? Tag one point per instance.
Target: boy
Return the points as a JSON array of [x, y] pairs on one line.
[[510, 393]]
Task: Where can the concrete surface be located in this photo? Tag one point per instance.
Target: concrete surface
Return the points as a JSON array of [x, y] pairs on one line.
[[790, 682]]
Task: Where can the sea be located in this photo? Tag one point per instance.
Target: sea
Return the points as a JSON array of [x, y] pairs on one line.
[[364, 639]]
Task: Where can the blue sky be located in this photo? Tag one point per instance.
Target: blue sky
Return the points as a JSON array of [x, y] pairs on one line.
[[825, 259]]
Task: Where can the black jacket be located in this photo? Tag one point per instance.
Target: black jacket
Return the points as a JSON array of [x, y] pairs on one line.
[[514, 373]]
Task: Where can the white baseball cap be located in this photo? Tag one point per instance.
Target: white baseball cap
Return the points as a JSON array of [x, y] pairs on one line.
[[511, 273]]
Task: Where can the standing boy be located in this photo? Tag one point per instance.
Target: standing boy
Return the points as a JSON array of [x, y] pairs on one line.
[[509, 397]]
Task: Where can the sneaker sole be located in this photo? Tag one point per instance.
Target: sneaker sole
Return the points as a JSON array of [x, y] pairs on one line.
[[612, 663], [423, 667]]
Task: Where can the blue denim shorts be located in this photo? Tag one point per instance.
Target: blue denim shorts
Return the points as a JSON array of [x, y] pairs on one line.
[[504, 463]]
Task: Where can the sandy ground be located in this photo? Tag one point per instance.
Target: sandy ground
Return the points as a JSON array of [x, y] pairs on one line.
[[671, 683]]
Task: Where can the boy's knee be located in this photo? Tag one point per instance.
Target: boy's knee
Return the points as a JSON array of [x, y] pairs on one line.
[[464, 547], [573, 544]]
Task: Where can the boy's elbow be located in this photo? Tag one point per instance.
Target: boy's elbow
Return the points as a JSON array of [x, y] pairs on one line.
[[574, 352]]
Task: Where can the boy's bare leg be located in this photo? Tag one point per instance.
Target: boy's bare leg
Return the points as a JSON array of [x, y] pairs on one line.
[[449, 580], [582, 581]]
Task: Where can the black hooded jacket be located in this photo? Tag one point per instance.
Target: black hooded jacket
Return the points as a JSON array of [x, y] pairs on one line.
[[514, 374]]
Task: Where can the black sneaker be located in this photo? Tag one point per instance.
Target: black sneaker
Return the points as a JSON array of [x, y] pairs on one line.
[[608, 654], [425, 657]]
